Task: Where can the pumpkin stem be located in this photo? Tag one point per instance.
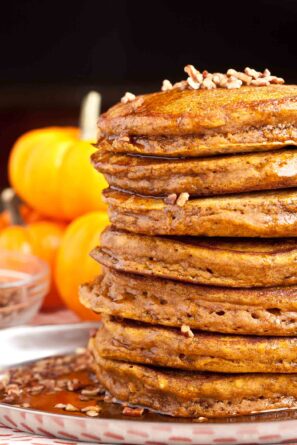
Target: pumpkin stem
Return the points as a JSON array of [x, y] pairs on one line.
[[89, 113], [10, 203]]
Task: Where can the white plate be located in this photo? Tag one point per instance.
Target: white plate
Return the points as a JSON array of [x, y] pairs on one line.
[[130, 431]]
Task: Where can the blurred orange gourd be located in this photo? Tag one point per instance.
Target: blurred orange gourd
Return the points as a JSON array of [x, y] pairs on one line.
[[74, 266], [50, 168]]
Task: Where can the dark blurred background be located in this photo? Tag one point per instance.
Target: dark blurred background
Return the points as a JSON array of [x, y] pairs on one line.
[[53, 52]]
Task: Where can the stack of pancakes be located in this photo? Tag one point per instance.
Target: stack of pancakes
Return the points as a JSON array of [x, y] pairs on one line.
[[199, 291]]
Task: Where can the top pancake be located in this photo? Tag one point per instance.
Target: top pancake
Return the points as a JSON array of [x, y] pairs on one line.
[[203, 122]]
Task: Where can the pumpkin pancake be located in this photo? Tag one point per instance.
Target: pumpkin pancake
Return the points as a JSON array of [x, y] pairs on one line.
[[266, 215], [203, 122], [195, 394], [199, 177], [128, 341], [259, 311], [218, 262]]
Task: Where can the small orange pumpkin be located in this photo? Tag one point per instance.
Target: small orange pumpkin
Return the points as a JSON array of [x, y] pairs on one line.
[[74, 265], [50, 168], [39, 238]]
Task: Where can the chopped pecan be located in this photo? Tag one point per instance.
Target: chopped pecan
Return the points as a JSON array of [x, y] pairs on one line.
[[241, 76], [133, 412], [208, 84], [194, 74], [233, 83], [181, 85], [186, 330], [182, 199], [92, 413], [128, 97], [90, 392], [91, 408], [232, 79], [166, 85], [171, 199], [266, 73], [253, 73], [193, 84], [70, 407], [260, 82], [276, 80]]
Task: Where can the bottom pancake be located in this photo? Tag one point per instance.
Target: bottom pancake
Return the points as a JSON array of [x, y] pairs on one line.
[[193, 394], [194, 350]]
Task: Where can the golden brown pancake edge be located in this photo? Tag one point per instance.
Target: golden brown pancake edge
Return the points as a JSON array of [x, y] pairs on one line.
[[201, 176], [201, 111], [262, 214], [242, 263], [157, 301], [166, 347]]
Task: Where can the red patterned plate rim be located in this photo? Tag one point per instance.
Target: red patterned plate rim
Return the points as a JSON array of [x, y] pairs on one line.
[[173, 421], [101, 430]]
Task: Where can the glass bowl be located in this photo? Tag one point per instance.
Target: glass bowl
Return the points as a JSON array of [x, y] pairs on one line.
[[24, 282]]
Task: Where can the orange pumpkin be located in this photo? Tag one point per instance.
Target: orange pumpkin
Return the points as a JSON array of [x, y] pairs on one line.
[[41, 239], [50, 168], [74, 265]]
